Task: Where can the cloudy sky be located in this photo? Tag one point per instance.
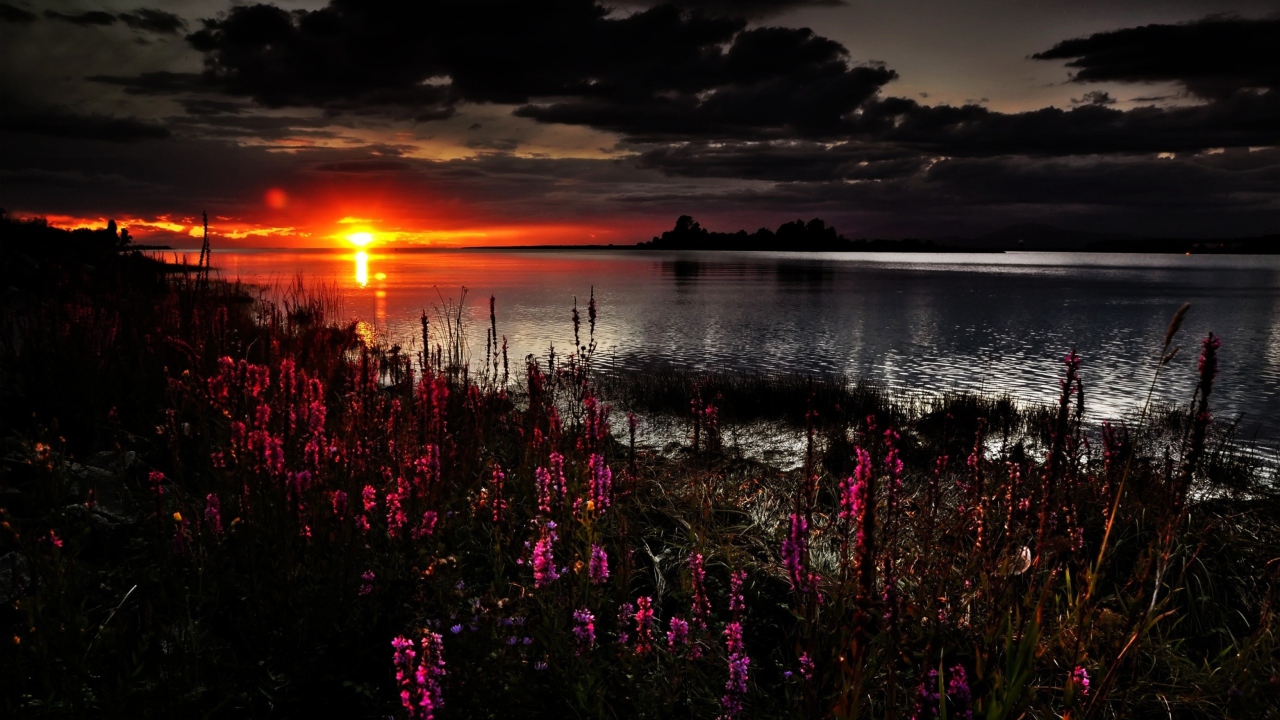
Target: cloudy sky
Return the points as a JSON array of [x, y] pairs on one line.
[[517, 121]]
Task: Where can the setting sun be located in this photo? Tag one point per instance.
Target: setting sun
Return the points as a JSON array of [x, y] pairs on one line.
[[360, 239]]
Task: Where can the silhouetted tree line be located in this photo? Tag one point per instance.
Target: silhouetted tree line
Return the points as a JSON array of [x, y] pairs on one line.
[[812, 236], [38, 239]]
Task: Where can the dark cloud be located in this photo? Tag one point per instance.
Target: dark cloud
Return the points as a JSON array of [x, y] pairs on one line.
[[663, 75], [157, 21], [740, 8], [1245, 119], [210, 106], [91, 17], [657, 72], [243, 126], [14, 14], [772, 82], [365, 167], [160, 82], [1212, 58], [896, 134], [784, 161], [1094, 97], [89, 127]]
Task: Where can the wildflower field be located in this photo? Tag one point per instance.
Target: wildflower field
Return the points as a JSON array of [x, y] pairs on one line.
[[219, 506]]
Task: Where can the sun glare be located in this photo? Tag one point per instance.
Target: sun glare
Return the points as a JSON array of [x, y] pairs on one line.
[[360, 239]]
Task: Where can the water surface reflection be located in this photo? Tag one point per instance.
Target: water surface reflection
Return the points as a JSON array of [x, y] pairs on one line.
[[932, 322]]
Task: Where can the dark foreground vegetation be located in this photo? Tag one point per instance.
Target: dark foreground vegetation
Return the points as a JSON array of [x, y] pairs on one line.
[[215, 506]]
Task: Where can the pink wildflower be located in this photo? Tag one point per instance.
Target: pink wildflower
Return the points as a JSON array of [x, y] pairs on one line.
[[213, 514], [700, 608], [426, 526], [644, 625], [499, 501], [1080, 677], [544, 562], [600, 479], [542, 480], [558, 484]]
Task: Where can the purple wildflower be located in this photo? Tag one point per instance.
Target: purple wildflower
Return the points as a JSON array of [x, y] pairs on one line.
[[598, 567], [431, 668], [366, 586], [795, 556], [927, 700], [584, 629], [959, 694], [678, 634], [806, 666], [426, 526], [625, 613], [736, 688]]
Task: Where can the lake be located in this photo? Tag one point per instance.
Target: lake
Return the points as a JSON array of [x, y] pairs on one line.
[[921, 322]]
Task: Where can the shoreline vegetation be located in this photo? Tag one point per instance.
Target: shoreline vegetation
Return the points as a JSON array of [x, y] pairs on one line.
[[817, 236], [214, 505]]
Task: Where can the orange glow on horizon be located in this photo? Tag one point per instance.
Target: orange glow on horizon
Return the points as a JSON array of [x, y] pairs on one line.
[[292, 228]]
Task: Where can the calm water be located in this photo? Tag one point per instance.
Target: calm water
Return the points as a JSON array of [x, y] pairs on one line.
[[932, 322]]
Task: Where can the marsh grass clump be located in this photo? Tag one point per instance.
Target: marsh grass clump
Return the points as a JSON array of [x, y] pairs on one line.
[[220, 504]]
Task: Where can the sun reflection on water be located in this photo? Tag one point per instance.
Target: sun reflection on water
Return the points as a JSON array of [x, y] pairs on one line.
[[362, 268]]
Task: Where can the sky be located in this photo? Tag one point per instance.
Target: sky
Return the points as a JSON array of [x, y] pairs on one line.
[[491, 122]]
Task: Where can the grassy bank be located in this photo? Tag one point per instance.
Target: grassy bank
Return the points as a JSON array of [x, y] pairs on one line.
[[219, 507]]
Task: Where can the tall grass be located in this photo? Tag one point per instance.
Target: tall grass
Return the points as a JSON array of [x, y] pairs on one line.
[[218, 505]]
